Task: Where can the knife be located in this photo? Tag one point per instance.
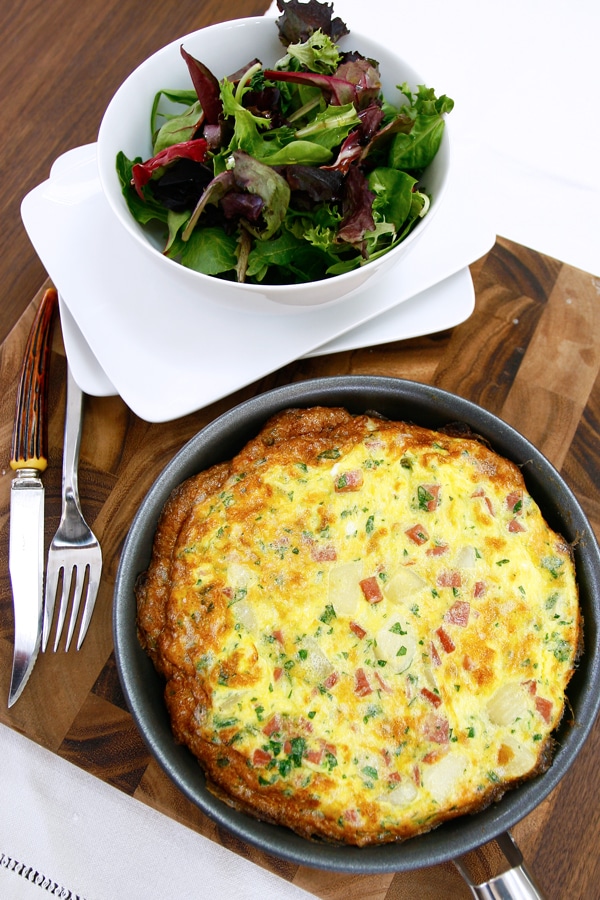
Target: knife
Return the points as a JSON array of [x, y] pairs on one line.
[[29, 452]]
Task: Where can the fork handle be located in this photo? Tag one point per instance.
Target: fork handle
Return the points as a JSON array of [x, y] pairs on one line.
[[72, 439]]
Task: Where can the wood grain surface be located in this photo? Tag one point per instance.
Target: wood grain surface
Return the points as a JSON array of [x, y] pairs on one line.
[[61, 64], [529, 353]]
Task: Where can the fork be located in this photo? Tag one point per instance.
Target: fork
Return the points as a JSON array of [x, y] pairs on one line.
[[74, 552]]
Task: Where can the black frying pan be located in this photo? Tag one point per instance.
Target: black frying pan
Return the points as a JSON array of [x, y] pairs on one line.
[[429, 407]]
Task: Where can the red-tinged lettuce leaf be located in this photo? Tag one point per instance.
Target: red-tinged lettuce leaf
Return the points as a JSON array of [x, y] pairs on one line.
[[299, 20], [181, 185], [206, 86], [258, 178], [357, 208], [365, 76], [237, 205], [313, 184], [355, 147], [214, 193], [250, 176], [143, 209], [371, 118], [380, 143], [350, 151], [217, 136], [267, 103], [143, 172], [339, 90]]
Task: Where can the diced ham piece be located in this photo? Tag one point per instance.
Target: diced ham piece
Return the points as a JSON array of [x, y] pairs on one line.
[[515, 527], [331, 681], [273, 725], [261, 757], [437, 729], [515, 499], [315, 756], [436, 659], [445, 640], [371, 590], [434, 494], [278, 635], [352, 816], [417, 534], [383, 684], [438, 550], [449, 578], [486, 499], [479, 588], [431, 757], [357, 629], [361, 684], [277, 673], [434, 699], [458, 614], [323, 554], [348, 481], [544, 707], [329, 748]]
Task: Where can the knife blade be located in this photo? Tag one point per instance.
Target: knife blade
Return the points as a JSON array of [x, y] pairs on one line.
[[29, 458]]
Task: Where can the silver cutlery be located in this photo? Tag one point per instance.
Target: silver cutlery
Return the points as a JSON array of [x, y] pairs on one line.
[[29, 458], [74, 557]]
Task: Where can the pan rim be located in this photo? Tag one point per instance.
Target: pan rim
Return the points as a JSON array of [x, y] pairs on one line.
[[452, 838]]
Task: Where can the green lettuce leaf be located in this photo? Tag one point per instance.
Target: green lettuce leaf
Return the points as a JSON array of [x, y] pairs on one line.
[[208, 250]]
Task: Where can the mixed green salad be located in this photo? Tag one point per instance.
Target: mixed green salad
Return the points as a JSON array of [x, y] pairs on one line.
[[289, 174]]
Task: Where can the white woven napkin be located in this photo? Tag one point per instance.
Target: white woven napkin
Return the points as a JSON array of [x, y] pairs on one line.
[[64, 833], [524, 76]]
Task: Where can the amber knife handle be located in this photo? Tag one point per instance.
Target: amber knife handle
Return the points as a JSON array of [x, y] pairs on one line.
[[29, 449]]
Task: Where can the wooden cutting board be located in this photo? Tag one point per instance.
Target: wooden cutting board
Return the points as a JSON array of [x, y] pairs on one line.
[[529, 353]]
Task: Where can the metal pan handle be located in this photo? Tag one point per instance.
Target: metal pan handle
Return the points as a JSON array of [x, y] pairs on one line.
[[514, 884]]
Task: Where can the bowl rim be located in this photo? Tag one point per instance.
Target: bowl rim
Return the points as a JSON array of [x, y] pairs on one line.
[[359, 393]]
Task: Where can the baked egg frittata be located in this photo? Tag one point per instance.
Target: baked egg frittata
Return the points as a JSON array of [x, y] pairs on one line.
[[366, 627]]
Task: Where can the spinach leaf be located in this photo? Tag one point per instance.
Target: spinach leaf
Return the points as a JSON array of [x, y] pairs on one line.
[[393, 194], [418, 148], [208, 250], [178, 128]]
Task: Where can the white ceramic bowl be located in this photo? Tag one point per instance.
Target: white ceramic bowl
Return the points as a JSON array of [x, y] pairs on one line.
[[224, 48]]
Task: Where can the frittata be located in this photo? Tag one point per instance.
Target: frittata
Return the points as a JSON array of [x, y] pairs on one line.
[[366, 627]]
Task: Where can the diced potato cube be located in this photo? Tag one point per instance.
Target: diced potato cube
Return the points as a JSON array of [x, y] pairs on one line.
[[515, 759], [403, 585], [402, 795], [508, 703], [441, 777], [396, 645], [345, 594], [316, 666]]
